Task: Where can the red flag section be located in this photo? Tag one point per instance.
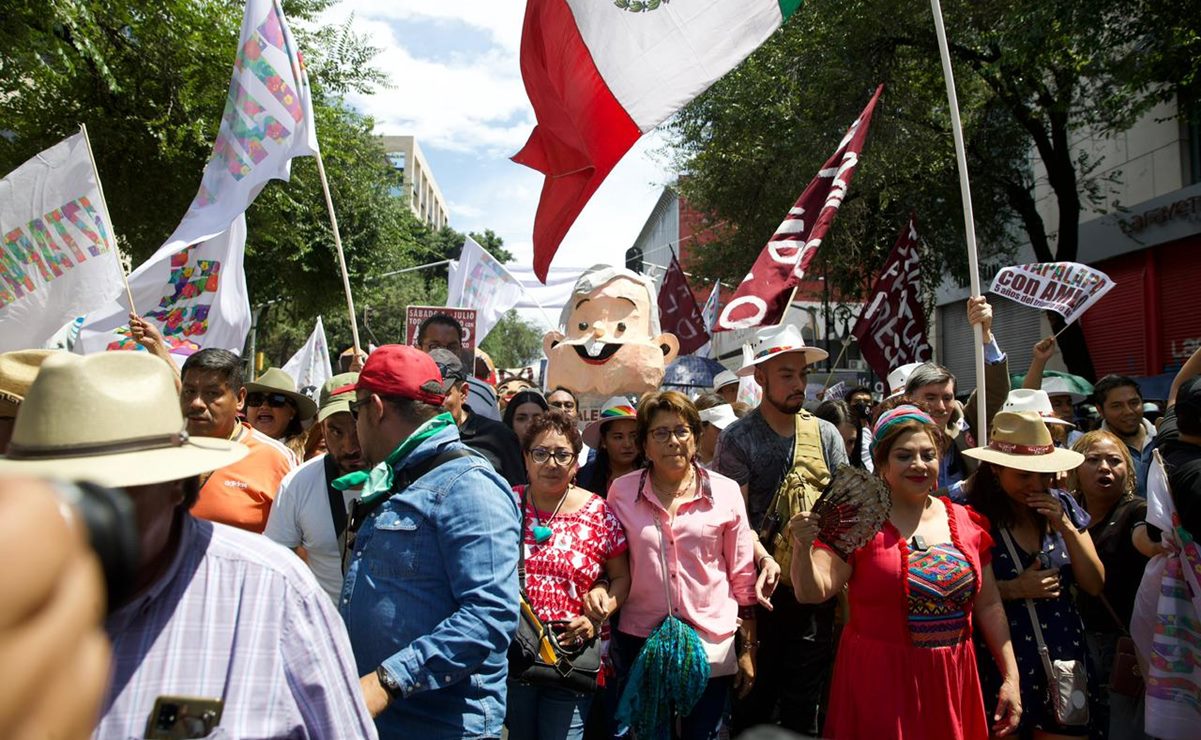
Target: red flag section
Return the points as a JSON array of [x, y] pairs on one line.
[[892, 328], [679, 313], [582, 130], [762, 297]]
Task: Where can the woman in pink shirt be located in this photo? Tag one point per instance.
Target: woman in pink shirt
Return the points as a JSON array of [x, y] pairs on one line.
[[691, 556]]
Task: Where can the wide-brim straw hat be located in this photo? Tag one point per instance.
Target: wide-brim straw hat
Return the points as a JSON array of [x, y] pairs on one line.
[[111, 418], [17, 371], [616, 408], [773, 341], [275, 380], [1021, 440]]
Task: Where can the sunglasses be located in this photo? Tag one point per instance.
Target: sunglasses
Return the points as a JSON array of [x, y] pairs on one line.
[[355, 405], [562, 457], [274, 400]]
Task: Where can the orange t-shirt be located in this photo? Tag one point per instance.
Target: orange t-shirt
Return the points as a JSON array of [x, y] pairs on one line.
[[241, 494]]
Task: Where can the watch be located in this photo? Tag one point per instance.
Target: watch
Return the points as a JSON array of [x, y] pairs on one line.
[[388, 682]]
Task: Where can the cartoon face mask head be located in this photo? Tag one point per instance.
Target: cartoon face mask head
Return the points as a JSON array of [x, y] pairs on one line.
[[610, 342]]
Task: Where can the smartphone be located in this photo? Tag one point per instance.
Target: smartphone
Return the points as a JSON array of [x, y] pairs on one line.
[[181, 717]]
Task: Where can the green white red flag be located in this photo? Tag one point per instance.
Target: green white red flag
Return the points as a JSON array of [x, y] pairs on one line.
[[601, 73]]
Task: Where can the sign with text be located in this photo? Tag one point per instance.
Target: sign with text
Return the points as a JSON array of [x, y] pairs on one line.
[[1067, 288], [414, 315]]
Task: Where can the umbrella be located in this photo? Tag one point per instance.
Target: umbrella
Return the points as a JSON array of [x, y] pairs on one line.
[[691, 371], [1074, 384]]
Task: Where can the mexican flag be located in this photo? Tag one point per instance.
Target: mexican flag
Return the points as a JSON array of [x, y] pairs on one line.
[[601, 73]]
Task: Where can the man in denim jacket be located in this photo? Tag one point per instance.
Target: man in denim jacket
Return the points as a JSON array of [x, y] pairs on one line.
[[431, 596]]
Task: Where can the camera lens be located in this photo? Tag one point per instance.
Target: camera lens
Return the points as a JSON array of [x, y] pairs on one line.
[[112, 528]]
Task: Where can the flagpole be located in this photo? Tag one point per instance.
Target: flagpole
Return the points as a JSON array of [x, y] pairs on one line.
[[107, 218], [968, 218], [333, 220], [845, 343]]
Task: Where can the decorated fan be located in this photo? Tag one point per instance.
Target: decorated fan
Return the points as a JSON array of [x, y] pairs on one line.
[[852, 509]]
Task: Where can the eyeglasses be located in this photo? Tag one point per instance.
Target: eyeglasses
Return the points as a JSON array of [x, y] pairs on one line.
[[562, 457], [565, 405], [274, 400], [355, 405], [662, 434]]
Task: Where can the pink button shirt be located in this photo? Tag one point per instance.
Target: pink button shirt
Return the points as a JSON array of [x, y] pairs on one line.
[[709, 552]]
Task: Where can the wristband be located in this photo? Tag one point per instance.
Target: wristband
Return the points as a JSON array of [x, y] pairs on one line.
[[388, 683], [759, 563]]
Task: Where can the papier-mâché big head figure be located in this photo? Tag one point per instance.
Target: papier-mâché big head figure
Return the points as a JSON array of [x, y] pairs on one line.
[[610, 342]]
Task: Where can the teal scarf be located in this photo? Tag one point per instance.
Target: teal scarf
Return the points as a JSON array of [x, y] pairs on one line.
[[378, 481]]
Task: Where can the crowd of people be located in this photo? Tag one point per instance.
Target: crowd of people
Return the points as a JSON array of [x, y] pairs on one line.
[[470, 560]]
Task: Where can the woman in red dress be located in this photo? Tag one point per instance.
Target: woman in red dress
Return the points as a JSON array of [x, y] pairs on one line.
[[906, 667]]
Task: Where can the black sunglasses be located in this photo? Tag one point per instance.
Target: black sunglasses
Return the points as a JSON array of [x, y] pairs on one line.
[[274, 400]]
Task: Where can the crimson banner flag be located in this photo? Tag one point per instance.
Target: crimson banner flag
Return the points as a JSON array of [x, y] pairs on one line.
[[762, 297], [892, 328], [679, 313]]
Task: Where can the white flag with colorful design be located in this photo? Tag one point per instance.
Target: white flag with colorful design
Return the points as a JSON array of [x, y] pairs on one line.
[[709, 314], [268, 119], [196, 294], [601, 73], [57, 256], [310, 366], [478, 280]]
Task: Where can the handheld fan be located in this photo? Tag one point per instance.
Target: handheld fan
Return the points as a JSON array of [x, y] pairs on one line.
[[852, 509]]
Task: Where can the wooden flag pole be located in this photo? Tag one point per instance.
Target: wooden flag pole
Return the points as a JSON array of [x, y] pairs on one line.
[[333, 220], [108, 219], [968, 219], [826, 386]]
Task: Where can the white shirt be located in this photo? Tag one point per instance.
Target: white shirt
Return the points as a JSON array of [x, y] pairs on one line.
[[300, 517]]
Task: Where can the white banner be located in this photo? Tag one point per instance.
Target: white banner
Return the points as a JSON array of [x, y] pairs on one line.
[[1068, 288], [196, 294], [57, 254], [268, 119], [310, 366], [551, 296], [480, 282]]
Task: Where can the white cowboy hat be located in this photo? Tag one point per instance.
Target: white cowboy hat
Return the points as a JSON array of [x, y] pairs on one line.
[[724, 378], [1053, 386], [1021, 440], [1025, 399], [617, 407], [112, 418], [720, 416], [899, 378], [772, 341]]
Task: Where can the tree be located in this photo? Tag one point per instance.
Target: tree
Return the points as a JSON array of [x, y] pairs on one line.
[[1032, 75], [513, 342]]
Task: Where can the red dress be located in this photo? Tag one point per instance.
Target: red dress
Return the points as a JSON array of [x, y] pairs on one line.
[[906, 667]]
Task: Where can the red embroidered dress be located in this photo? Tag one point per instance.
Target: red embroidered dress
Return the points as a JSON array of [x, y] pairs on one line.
[[906, 667]]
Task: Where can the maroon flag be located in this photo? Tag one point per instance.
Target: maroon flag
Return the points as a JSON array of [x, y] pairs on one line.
[[678, 312], [762, 296], [892, 328]]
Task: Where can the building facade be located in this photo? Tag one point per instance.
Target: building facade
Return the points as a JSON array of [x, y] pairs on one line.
[[420, 187]]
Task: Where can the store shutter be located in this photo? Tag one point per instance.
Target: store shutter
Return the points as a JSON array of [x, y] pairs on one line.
[[1179, 270], [1015, 326], [1115, 327]]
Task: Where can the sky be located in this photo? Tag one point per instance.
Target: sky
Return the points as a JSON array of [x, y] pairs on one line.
[[455, 84]]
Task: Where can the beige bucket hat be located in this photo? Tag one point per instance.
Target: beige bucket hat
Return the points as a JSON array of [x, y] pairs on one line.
[[276, 380], [111, 418], [1020, 439]]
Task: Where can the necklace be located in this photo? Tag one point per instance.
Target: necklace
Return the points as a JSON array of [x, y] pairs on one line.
[[678, 492], [543, 533]]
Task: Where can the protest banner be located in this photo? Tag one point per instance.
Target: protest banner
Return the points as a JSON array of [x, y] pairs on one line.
[[414, 315], [709, 315], [892, 327], [678, 312], [1067, 288], [58, 255], [480, 282]]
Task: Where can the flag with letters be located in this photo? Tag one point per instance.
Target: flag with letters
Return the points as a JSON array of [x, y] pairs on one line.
[[58, 254], [678, 312], [310, 366], [892, 327]]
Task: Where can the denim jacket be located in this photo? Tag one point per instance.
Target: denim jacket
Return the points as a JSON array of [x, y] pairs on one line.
[[431, 594]]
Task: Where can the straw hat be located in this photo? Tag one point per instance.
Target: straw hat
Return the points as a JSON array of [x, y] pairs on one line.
[[1025, 399], [617, 407], [112, 418], [17, 371], [275, 380], [772, 341], [1020, 440]]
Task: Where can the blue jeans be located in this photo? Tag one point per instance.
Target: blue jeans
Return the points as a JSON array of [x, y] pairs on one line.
[[545, 712]]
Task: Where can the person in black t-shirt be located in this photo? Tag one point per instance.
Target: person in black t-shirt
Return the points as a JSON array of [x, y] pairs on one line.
[[1104, 485]]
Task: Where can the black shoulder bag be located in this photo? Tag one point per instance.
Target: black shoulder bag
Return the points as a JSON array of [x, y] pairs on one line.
[[535, 655]]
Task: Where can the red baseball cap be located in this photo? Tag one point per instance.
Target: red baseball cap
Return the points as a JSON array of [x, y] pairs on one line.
[[398, 370]]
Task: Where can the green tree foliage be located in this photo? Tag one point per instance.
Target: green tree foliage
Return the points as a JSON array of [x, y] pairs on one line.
[[1032, 75], [513, 342]]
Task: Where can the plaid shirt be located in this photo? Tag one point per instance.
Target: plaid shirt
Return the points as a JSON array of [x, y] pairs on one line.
[[240, 618]]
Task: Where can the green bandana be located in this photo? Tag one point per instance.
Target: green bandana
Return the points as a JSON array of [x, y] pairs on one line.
[[379, 479]]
